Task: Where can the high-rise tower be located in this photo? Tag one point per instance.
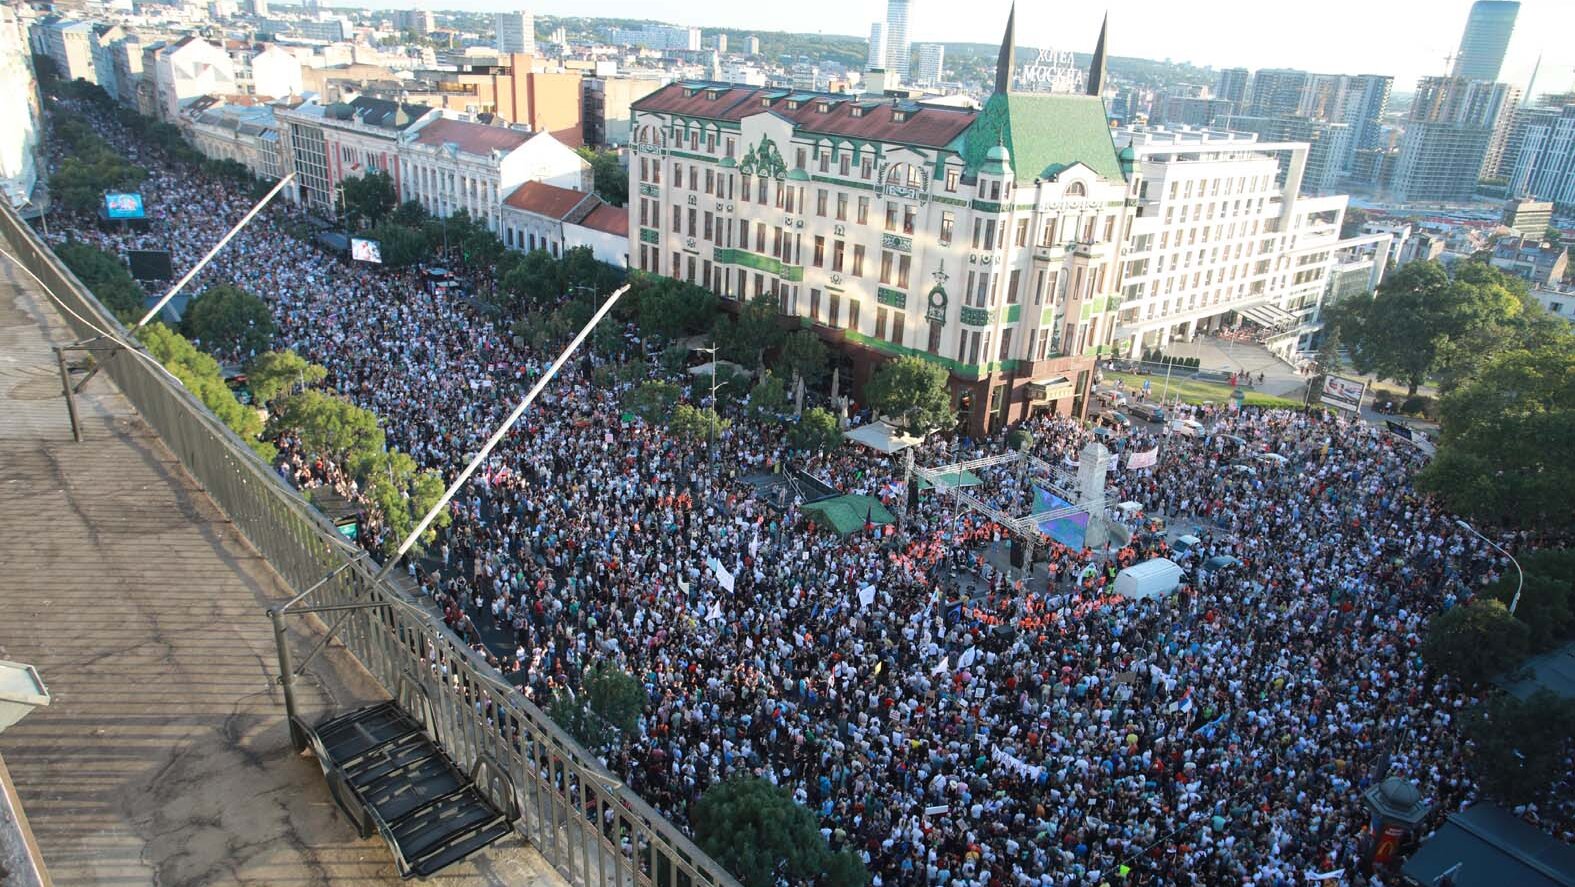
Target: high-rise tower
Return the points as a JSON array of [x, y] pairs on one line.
[[1485, 40]]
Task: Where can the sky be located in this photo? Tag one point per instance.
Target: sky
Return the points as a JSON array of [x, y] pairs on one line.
[[1404, 38]]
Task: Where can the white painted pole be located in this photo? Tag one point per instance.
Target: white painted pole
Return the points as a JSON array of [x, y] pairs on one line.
[[152, 312], [503, 429]]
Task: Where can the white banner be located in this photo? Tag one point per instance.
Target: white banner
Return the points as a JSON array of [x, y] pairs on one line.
[[1015, 764], [722, 575], [1146, 459], [866, 596], [1342, 393]]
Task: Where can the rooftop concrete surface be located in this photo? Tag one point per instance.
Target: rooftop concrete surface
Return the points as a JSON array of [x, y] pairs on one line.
[[163, 757]]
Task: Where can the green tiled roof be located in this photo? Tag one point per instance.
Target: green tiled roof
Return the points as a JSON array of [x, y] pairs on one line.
[[1045, 133]]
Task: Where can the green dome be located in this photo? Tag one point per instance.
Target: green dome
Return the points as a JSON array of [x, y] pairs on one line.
[[998, 154]]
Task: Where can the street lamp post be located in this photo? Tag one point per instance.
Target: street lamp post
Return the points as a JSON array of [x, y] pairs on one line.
[[1520, 575], [710, 424]]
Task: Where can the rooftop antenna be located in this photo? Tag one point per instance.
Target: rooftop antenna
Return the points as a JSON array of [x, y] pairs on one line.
[[1532, 83]]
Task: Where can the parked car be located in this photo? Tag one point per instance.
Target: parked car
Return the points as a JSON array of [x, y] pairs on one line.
[[1113, 418], [1150, 412], [1186, 427]]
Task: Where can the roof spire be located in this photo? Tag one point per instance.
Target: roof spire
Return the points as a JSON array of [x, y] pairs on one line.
[[1096, 68], [1006, 62]]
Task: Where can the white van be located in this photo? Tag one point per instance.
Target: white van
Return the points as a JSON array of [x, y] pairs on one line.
[[1186, 427]]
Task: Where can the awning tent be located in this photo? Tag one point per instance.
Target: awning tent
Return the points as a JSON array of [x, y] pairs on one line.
[[882, 438], [1487, 846], [847, 514], [953, 479], [1051, 388], [1271, 316]]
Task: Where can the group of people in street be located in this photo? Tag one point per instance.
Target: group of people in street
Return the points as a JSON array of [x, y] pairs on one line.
[[963, 725]]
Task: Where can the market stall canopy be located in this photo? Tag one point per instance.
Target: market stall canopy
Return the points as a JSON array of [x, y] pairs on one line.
[[953, 479], [848, 514], [882, 437]]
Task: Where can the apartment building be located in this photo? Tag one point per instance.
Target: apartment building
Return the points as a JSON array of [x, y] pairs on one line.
[[1447, 137], [537, 215], [448, 165], [1221, 233], [244, 132], [325, 144], [983, 241], [1543, 166]]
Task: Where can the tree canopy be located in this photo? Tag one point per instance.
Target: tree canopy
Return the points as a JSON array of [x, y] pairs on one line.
[[816, 430], [608, 706], [1402, 332], [612, 179], [696, 423], [401, 246], [1503, 455], [803, 354], [108, 279], [762, 836], [912, 392], [281, 373], [369, 199], [229, 320], [1519, 747], [745, 339], [671, 308], [200, 374], [1475, 642]]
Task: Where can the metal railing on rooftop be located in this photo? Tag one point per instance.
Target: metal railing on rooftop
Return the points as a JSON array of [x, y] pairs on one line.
[[582, 819]]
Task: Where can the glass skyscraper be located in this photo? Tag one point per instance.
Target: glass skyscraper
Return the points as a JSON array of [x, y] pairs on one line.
[[1486, 39]]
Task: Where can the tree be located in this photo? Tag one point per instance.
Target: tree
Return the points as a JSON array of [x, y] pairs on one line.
[[402, 496], [1403, 331], [804, 356], [1547, 600], [401, 246], [281, 373], [1519, 748], [1502, 455], [108, 280], [228, 320], [1475, 642], [768, 400], [912, 392], [369, 199], [816, 430], [757, 831], [653, 400], [607, 707], [1019, 438], [333, 427], [200, 375], [1502, 316], [612, 179], [746, 338], [535, 278], [671, 308], [410, 214], [696, 423]]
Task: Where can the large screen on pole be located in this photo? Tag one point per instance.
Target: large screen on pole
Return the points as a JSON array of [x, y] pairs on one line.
[[1342, 393], [150, 264], [123, 206], [364, 250]]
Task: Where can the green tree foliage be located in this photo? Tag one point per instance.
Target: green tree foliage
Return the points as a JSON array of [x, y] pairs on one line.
[[401, 246], [402, 496], [758, 833], [333, 427], [369, 199], [1475, 642], [1547, 601], [745, 339], [816, 430], [653, 401], [1401, 333], [535, 278], [228, 319], [696, 423], [803, 355], [106, 278], [768, 401], [1520, 748], [410, 214], [1501, 317], [673, 309], [279, 373], [612, 179], [1019, 439], [90, 167], [200, 374], [607, 707], [912, 392], [1507, 434]]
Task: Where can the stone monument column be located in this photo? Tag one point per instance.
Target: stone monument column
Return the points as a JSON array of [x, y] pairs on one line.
[[1093, 470]]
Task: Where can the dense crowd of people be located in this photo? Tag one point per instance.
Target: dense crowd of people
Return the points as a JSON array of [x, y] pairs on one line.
[[1057, 733]]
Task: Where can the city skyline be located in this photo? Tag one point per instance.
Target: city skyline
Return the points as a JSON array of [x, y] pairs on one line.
[[1237, 33]]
